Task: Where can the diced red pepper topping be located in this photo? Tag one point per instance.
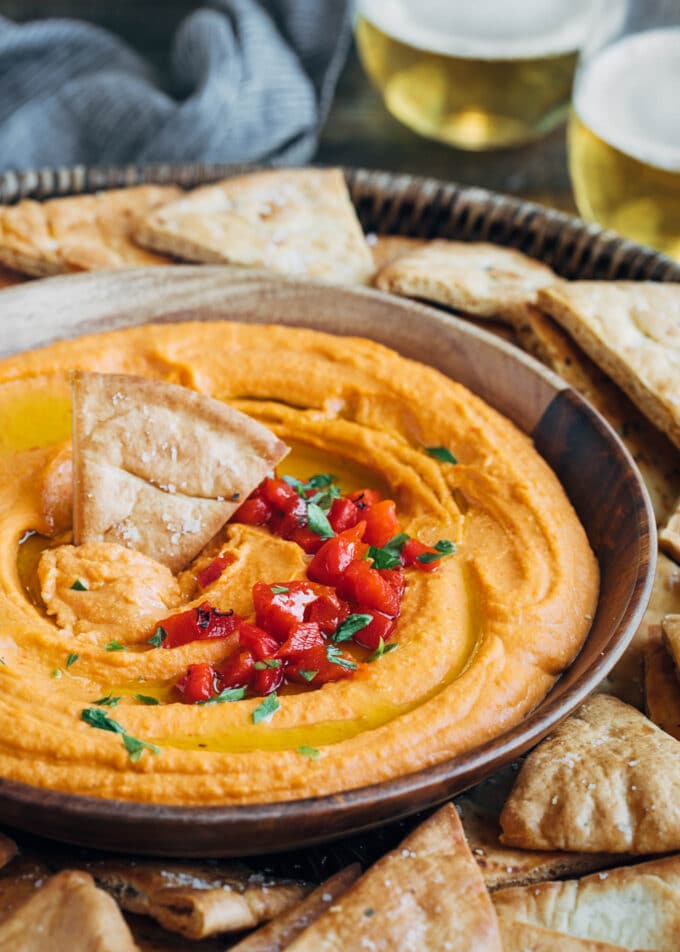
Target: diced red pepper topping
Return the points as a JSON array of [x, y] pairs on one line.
[[237, 671], [197, 624], [312, 667], [308, 541], [366, 588], [254, 512], [198, 684], [381, 523], [382, 626], [281, 606], [260, 644], [327, 610], [214, 569], [332, 559], [267, 680], [343, 514], [412, 551], [365, 498], [278, 493], [302, 637]]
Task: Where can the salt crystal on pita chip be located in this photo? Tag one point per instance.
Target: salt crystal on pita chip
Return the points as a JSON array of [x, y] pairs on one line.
[[160, 468], [607, 780]]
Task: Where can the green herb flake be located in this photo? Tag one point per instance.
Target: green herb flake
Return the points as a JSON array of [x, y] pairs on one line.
[[369, 912], [427, 557], [312, 752], [335, 657], [445, 546], [114, 645], [107, 701], [72, 658], [79, 586], [147, 699], [266, 710], [102, 721], [318, 521], [267, 663], [387, 557], [307, 674], [320, 480], [56, 673], [441, 453], [158, 637], [2, 661], [382, 649], [349, 627], [226, 697], [280, 589], [136, 747]]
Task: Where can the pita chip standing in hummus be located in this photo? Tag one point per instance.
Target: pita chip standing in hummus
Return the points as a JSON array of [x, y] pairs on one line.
[[188, 617]]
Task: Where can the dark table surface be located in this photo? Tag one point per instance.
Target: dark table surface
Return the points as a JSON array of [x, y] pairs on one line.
[[359, 130]]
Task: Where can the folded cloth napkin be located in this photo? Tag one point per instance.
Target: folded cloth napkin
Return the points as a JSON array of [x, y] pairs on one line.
[[250, 81]]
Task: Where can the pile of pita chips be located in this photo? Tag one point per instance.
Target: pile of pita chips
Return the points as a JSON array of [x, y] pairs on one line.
[[293, 221], [159, 468], [68, 912], [80, 233]]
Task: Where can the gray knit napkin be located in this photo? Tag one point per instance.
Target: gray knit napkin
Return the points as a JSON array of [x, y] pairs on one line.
[[249, 81]]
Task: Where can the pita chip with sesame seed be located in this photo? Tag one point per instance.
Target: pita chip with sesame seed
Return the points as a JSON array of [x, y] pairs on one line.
[[426, 894], [503, 866], [68, 912], [637, 907], [607, 780], [160, 468]]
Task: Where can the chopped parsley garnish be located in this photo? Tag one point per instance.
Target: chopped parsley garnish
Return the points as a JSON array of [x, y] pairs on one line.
[[72, 658], [350, 626], [441, 453], [114, 645], [56, 673], [382, 649], [79, 586], [307, 674], [319, 480], [102, 721], [335, 657], [312, 752], [267, 709], [445, 546], [226, 696], [107, 701], [369, 912], [147, 699], [267, 663], [318, 521], [158, 637], [280, 589], [388, 556], [320, 489]]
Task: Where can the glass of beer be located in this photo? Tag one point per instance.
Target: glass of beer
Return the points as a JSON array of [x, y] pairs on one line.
[[624, 129], [477, 74]]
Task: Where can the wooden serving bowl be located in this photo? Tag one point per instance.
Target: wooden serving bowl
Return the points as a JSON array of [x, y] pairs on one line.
[[594, 467]]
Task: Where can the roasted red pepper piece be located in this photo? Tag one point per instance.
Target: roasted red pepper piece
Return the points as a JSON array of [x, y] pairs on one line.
[[316, 660], [261, 644], [381, 523], [302, 637], [237, 671], [291, 517], [309, 541], [413, 550], [365, 498], [328, 611], [255, 511], [213, 570], [277, 492], [197, 624], [330, 562], [198, 684], [278, 612], [395, 577], [343, 514], [267, 680], [365, 587], [382, 626]]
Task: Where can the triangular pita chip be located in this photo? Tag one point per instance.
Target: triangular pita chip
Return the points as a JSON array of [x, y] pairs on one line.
[[385, 249], [195, 899], [478, 278], [631, 329], [671, 630], [662, 688], [427, 894], [280, 932], [637, 907], [607, 780], [295, 221], [79, 233], [669, 535], [520, 937], [68, 912], [503, 866], [160, 468]]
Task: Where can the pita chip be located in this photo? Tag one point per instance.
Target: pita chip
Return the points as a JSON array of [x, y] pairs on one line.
[[481, 279], [662, 688], [9, 278], [669, 535], [387, 248], [79, 233], [521, 937], [427, 894], [68, 912], [637, 907], [160, 468], [631, 329], [671, 630], [280, 932], [503, 866], [294, 221], [607, 780], [194, 899], [8, 850]]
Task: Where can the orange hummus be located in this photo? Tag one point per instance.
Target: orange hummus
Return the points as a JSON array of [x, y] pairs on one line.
[[481, 640]]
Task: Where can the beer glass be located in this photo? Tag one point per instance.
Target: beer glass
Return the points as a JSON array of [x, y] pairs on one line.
[[478, 74], [624, 127]]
